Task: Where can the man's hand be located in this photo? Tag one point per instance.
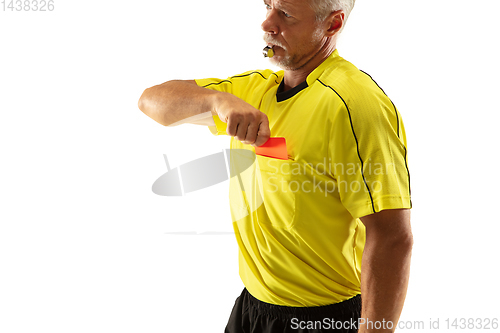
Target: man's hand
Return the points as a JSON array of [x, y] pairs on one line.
[[385, 268], [244, 122]]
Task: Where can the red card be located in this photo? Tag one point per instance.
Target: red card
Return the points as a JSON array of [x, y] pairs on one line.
[[274, 147]]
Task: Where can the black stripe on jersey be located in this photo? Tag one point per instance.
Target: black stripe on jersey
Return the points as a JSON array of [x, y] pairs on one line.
[[408, 170], [394, 106], [236, 76], [357, 144], [397, 118], [217, 83]]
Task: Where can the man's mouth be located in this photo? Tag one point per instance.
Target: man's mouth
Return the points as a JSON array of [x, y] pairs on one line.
[[273, 44], [275, 47]]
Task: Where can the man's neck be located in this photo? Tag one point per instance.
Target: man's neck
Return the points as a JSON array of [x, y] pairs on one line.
[[293, 78]]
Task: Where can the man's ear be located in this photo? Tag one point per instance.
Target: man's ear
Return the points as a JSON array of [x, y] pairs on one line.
[[335, 22]]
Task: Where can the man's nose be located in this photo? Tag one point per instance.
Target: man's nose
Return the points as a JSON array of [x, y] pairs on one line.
[[270, 23]]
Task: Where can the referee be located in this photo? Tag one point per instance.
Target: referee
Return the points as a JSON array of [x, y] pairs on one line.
[[328, 245]]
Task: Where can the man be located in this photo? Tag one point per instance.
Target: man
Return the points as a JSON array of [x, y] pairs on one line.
[[334, 223]]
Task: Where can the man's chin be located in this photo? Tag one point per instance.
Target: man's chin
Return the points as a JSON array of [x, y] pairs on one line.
[[275, 61], [281, 62]]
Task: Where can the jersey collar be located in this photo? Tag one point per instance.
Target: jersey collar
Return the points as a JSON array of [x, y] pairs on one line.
[[284, 95]]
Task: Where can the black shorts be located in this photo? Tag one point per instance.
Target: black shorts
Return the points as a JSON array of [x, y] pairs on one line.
[[251, 315]]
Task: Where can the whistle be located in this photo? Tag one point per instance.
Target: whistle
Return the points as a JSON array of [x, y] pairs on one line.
[[268, 52]]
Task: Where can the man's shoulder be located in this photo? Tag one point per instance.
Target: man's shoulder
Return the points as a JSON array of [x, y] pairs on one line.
[[344, 75], [350, 83]]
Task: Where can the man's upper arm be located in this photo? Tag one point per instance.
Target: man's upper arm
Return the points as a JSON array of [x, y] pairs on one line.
[[392, 225]]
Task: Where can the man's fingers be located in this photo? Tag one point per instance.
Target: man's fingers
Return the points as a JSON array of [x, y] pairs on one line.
[[242, 130], [232, 126], [264, 133], [248, 126], [252, 132]]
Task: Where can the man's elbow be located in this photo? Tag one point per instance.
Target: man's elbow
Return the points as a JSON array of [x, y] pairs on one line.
[[148, 106]]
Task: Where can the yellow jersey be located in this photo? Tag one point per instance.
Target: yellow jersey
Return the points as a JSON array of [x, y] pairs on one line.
[[297, 221]]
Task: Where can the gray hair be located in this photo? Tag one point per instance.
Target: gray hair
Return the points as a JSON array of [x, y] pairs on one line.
[[323, 8]]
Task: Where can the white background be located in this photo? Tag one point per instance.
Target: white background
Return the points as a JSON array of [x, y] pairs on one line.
[[83, 240]]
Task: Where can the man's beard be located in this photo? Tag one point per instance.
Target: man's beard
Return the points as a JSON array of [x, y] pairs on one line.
[[288, 62], [294, 61]]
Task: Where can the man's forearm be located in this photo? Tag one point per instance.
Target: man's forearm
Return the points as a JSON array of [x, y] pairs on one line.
[[178, 102], [174, 101], [384, 282]]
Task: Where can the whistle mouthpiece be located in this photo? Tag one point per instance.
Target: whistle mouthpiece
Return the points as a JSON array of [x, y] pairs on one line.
[[268, 52]]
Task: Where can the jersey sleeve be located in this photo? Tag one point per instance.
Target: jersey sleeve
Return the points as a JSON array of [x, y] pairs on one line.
[[248, 86], [368, 153]]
